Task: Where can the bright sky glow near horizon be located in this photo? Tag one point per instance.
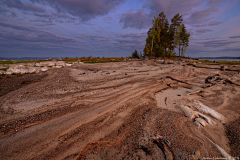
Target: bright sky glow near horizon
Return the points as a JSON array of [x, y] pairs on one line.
[[113, 28]]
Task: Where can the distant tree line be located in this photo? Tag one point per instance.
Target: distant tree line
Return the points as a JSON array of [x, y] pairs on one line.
[[164, 38]]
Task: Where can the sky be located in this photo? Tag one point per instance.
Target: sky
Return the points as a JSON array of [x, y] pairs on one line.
[[113, 28]]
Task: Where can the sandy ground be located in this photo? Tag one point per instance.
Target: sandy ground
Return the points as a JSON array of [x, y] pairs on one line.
[[114, 110]]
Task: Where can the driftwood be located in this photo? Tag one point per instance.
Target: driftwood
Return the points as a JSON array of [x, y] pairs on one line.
[[188, 112], [214, 80], [198, 124], [202, 90], [211, 79], [222, 151], [176, 80], [207, 110], [164, 145], [206, 118], [201, 121], [25, 79]]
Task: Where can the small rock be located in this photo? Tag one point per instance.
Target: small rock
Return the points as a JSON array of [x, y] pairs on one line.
[[68, 65], [44, 69], [8, 73]]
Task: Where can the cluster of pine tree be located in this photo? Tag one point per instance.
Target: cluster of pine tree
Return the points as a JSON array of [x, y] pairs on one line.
[[164, 38]]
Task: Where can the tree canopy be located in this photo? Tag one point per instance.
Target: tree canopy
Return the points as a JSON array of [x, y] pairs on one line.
[[164, 38]]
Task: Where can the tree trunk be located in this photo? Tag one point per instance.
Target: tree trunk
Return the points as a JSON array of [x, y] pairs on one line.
[[174, 40], [182, 50], [152, 48], [179, 50]]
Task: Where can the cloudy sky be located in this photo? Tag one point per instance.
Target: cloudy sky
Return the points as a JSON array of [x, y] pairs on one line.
[[112, 28]]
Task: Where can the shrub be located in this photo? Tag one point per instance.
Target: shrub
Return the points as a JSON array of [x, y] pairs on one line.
[[135, 54], [4, 69]]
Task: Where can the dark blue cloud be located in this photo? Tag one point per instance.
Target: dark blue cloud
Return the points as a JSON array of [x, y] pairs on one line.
[[85, 23], [138, 20], [134, 35], [19, 27], [235, 49], [63, 15], [218, 43], [212, 23], [85, 10], [23, 6], [45, 21], [93, 37], [32, 37], [203, 16], [5, 12], [201, 31], [171, 7], [235, 37], [43, 15]]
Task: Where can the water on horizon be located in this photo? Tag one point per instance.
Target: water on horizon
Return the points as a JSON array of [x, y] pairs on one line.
[[211, 59]]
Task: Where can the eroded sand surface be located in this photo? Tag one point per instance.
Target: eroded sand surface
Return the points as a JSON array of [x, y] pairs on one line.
[[112, 111]]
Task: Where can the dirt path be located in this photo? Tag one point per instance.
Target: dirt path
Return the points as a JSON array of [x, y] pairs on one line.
[[113, 110]]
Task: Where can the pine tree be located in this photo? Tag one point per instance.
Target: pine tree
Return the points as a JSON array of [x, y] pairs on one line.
[[179, 35], [176, 21], [184, 39], [135, 54], [166, 36], [163, 39]]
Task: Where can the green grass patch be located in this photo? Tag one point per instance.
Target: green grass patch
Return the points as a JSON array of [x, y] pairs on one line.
[[203, 61], [70, 60], [105, 60], [24, 61], [6, 62], [32, 61], [228, 62], [4, 69], [83, 59]]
